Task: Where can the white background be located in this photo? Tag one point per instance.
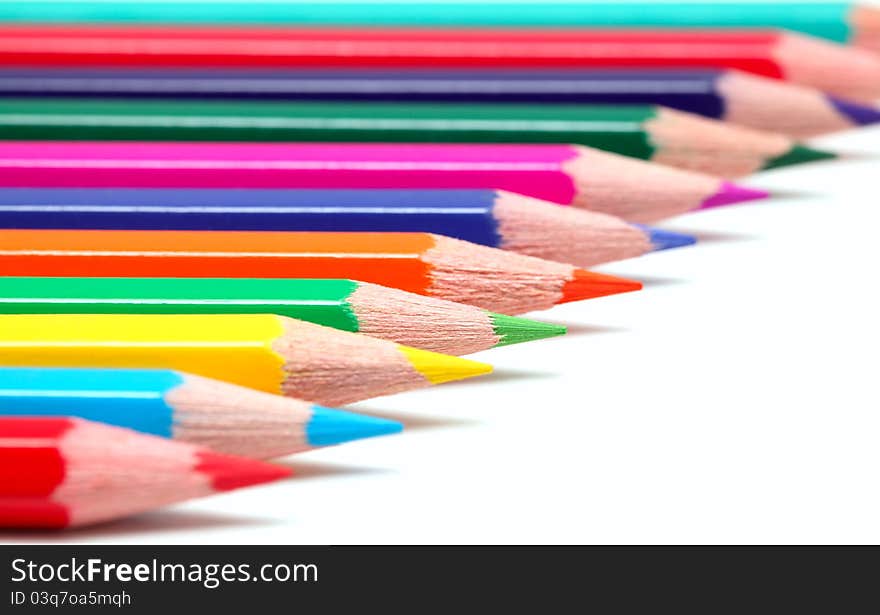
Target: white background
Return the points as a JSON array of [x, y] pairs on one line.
[[734, 400]]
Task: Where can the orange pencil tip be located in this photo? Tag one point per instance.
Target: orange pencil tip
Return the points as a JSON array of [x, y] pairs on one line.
[[229, 472], [588, 285]]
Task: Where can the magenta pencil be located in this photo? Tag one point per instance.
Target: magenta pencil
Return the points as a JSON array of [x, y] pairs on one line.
[[572, 175]]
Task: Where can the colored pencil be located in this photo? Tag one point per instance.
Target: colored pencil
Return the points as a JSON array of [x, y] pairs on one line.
[[631, 189], [647, 132], [425, 264], [223, 417], [488, 217], [843, 71], [840, 21], [732, 96], [265, 352], [60, 472], [387, 313]]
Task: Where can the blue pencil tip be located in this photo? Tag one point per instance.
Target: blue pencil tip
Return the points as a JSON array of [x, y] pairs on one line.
[[664, 240], [327, 427]]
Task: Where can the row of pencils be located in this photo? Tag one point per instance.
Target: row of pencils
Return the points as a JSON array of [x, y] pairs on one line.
[[221, 221]]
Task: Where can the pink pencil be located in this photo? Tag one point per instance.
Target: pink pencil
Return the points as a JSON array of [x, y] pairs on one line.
[[580, 176]]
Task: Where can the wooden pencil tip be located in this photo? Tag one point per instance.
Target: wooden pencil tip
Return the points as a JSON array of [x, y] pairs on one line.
[[439, 368], [515, 330], [798, 154], [589, 285], [730, 194], [328, 426], [230, 472], [861, 114]]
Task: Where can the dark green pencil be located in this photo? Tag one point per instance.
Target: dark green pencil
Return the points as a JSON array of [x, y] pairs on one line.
[[640, 131]]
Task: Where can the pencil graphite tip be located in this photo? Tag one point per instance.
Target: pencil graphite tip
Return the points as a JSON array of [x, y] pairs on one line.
[[514, 330], [859, 114], [665, 240], [328, 426], [231, 472], [730, 193], [798, 154], [439, 368], [589, 285]]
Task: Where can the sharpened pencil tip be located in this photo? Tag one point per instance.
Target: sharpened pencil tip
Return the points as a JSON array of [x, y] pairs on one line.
[[439, 368], [514, 330], [328, 426], [730, 193], [588, 285], [231, 472], [798, 154], [859, 114], [665, 240]]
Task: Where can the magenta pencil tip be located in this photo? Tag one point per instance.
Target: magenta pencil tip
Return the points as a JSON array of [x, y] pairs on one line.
[[730, 193]]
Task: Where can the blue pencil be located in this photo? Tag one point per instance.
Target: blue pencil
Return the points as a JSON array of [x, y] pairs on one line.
[[225, 417], [487, 217]]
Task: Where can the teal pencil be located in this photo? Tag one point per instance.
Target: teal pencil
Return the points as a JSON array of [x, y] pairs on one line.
[[839, 21]]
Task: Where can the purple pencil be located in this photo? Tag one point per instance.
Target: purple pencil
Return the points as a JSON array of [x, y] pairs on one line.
[[740, 98]]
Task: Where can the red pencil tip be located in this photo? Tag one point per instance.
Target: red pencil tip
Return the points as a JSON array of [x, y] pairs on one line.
[[588, 285], [229, 472]]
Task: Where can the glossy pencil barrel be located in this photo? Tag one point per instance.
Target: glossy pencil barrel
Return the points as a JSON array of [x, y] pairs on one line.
[[644, 132], [321, 301], [57, 472], [260, 351], [739, 98], [618, 129], [421, 263], [566, 174], [169, 404], [429, 324], [844, 71], [464, 214], [534, 170], [832, 20], [488, 217]]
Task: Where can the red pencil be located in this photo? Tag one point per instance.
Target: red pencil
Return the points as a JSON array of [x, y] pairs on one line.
[[63, 472], [836, 69]]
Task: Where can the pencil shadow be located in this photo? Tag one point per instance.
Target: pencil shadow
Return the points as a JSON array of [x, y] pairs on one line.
[[852, 156], [786, 194], [649, 282], [417, 422], [583, 329], [310, 470], [158, 521], [502, 375], [719, 237]]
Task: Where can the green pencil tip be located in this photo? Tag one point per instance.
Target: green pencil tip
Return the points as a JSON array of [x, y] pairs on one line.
[[513, 330], [799, 154]]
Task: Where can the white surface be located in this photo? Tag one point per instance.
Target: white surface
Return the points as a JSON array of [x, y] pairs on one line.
[[734, 400]]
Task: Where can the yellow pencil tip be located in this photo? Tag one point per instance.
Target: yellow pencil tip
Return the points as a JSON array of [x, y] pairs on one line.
[[438, 368]]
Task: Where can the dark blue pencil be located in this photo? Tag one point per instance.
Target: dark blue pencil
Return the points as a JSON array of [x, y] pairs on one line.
[[488, 217], [749, 100]]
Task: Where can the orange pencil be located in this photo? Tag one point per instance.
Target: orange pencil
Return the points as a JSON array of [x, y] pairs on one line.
[[426, 264]]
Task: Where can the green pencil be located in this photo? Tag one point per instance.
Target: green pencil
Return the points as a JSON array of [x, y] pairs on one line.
[[640, 131], [396, 315]]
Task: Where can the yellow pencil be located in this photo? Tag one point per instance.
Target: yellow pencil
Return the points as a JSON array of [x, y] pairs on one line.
[[266, 352]]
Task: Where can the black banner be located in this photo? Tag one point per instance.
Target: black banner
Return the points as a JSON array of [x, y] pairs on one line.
[[136, 579]]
